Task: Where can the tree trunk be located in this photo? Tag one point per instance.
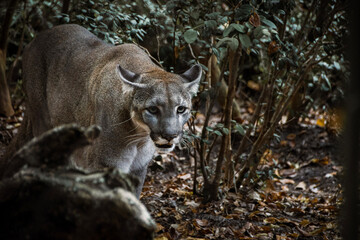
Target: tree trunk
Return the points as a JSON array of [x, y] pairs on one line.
[[211, 190], [351, 206], [6, 108], [223, 90], [5, 101], [65, 6]]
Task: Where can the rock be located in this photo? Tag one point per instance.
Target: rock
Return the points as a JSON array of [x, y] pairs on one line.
[[43, 197]]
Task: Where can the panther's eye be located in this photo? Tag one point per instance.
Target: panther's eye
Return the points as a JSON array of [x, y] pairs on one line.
[[181, 109], [153, 110]]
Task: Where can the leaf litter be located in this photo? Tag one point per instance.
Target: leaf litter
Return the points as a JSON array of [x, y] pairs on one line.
[[300, 201]]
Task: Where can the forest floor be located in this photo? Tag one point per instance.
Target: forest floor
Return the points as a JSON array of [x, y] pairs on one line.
[[301, 201]]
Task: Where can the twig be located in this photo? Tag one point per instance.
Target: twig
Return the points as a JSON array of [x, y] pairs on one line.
[[206, 123], [234, 59], [148, 53]]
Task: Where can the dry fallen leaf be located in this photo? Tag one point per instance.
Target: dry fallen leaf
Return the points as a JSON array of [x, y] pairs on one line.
[[324, 161], [320, 122], [284, 188], [254, 195], [271, 220], [313, 188], [287, 181], [251, 215], [253, 85], [290, 172], [273, 47], [294, 235], [161, 238], [335, 120], [202, 222], [291, 136], [304, 223], [279, 237], [255, 20], [292, 144], [240, 210], [330, 175], [159, 227], [184, 176], [283, 143], [301, 186], [192, 204]]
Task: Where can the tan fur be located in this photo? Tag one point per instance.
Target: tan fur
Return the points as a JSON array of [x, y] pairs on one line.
[[72, 76]]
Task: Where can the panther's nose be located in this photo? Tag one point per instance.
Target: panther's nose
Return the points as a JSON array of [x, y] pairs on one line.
[[169, 137]]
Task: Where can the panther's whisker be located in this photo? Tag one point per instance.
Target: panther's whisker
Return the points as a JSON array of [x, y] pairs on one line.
[[133, 138], [137, 125], [137, 134], [135, 141], [118, 124], [143, 144]]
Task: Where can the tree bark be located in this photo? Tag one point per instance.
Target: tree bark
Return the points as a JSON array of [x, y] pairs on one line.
[[351, 207], [211, 191], [6, 108], [65, 6]]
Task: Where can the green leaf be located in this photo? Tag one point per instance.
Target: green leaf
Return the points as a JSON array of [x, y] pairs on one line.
[[259, 32], [233, 43], [243, 12], [323, 76], [269, 23], [220, 125], [204, 67], [213, 15], [217, 132], [80, 17], [195, 15], [337, 66], [238, 128], [47, 3], [225, 131], [282, 12], [211, 24], [228, 30], [240, 28], [277, 137], [190, 36], [206, 141], [278, 20], [209, 129], [245, 41]]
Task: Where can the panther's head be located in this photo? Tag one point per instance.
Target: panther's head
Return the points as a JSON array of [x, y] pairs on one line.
[[162, 102]]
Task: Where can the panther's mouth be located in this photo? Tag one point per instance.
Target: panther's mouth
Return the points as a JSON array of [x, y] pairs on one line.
[[161, 146], [164, 148]]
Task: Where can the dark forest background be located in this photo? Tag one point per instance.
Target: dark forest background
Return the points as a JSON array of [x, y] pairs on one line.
[[269, 65]]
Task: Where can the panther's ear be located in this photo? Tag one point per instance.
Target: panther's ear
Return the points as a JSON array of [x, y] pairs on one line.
[[192, 78], [129, 78]]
